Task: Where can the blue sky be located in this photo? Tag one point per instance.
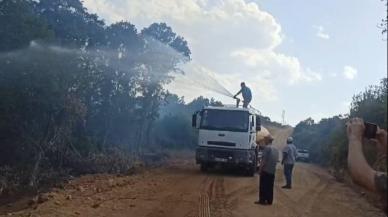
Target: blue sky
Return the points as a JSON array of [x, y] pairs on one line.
[[354, 40], [306, 57]]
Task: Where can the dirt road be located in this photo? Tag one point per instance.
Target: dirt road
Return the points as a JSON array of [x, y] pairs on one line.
[[181, 190]]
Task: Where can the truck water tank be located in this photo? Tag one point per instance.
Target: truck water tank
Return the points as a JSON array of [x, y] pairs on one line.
[[263, 136]]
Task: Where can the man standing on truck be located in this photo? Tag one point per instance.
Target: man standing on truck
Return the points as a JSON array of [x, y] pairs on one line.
[[289, 157], [246, 94], [267, 174]]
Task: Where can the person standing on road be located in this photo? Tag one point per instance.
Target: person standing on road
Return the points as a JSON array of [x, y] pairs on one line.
[[288, 161], [267, 174], [360, 171], [246, 94]]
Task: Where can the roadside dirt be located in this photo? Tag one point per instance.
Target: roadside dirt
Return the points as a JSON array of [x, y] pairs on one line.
[[181, 190]]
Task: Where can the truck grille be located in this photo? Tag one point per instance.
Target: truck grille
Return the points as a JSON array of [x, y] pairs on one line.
[[220, 154], [229, 144]]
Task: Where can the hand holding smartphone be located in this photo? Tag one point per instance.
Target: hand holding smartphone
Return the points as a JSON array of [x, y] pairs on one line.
[[370, 130]]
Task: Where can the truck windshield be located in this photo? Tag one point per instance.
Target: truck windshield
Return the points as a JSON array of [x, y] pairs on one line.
[[213, 119]]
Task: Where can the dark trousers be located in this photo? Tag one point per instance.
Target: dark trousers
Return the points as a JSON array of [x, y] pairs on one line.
[[266, 187], [246, 103], [288, 173]]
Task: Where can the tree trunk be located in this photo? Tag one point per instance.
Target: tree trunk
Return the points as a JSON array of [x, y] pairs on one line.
[[36, 169]]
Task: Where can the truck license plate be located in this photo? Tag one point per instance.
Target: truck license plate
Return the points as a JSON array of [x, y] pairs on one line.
[[220, 159]]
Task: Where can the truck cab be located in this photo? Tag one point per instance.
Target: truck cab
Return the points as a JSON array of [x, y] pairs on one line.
[[227, 136]]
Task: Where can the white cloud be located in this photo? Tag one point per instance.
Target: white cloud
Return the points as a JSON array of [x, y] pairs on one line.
[[321, 32], [234, 39], [350, 72], [198, 20], [276, 65]]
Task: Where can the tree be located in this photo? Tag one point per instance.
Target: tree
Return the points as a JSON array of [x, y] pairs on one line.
[[20, 25], [384, 21], [371, 105], [39, 108], [164, 34], [77, 88], [72, 24], [317, 137], [123, 34]]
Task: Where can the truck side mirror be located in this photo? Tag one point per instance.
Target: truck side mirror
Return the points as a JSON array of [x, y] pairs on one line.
[[194, 120], [252, 123], [258, 123]]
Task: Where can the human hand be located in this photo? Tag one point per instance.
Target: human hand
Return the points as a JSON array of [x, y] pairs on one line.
[[381, 141], [355, 129]]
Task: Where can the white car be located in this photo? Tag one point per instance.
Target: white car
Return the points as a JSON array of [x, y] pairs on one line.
[[303, 155]]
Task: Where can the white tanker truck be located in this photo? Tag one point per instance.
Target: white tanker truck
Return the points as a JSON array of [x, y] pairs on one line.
[[227, 136]]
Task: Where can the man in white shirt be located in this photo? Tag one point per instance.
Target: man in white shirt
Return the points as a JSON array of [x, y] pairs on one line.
[[289, 157]]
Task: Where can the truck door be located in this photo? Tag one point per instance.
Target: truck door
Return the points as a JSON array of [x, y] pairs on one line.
[[252, 131]]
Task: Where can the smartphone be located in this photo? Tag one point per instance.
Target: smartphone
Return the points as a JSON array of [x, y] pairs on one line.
[[370, 130]]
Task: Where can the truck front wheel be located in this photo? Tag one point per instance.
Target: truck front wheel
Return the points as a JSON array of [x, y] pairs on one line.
[[204, 167], [251, 171], [252, 168]]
